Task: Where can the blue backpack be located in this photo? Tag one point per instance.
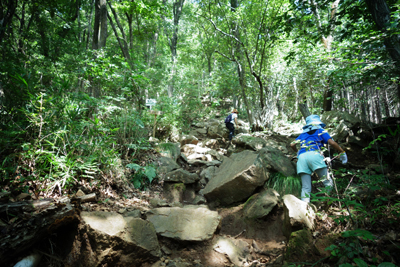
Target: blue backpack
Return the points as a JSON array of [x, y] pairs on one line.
[[229, 118]]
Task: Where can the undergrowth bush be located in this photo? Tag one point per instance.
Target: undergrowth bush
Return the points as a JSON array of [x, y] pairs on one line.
[[61, 137]]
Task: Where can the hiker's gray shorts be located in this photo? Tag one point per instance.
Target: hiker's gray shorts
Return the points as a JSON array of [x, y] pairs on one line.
[[310, 161]]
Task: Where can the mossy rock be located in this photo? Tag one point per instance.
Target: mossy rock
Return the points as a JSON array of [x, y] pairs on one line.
[[325, 241], [301, 247]]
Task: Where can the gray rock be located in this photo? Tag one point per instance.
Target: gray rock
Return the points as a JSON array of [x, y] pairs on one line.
[[212, 143], [216, 129], [173, 192], [126, 240], [249, 142], [298, 215], [260, 205], [340, 124], [166, 165], [189, 139], [196, 162], [199, 133], [236, 178], [275, 160], [208, 173], [190, 223], [237, 250], [181, 176]]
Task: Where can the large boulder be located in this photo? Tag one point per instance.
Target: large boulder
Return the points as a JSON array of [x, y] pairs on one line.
[[249, 142], [208, 173], [236, 178], [260, 205], [216, 128], [340, 124], [190, 223], [273, 159], [298, 215], [107, 237]]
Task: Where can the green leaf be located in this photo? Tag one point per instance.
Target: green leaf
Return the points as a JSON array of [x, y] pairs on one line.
[[137, 182], [386, 264], [150, 172], [360, 262], [133, 166]]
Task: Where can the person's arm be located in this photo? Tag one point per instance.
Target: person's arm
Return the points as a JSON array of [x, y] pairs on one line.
[[293, 146], [335, 145], [236, 122], [342, 155]]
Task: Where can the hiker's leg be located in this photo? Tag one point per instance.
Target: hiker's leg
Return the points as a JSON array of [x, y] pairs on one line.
[[305, 186], [323, 175], [231, 129], [305, 172]]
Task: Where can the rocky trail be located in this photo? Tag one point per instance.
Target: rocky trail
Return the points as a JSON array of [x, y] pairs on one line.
[[210, 206]]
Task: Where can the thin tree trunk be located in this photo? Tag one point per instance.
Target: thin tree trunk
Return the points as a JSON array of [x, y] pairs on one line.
[[96, 27], [304, 110], [103, 21], [121, 41], [173, 40], [89, 28], [241, 75], [386, 104]]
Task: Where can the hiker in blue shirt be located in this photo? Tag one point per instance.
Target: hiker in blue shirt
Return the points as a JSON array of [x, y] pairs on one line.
[[230, 123], [310, 157]]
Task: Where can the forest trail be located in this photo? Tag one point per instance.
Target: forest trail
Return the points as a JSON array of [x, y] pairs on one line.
[[210, 207]]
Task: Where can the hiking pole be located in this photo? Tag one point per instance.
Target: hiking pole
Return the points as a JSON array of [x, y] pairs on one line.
[[330, 169]]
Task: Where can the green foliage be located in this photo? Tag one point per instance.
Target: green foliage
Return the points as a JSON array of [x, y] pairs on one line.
[[65, 137], [284, 185], [350, 249], [142, 176]]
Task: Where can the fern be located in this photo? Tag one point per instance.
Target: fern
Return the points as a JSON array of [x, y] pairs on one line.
[[284, 185]]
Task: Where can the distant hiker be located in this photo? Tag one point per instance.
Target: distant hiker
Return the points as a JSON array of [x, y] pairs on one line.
[[310, 156], [230, 122]]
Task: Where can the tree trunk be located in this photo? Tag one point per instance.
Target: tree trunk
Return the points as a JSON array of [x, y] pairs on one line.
[[304, 110], [121, 41], [381, 15], [328, 94], [96, 26], [6, 18], [103, 22], [173, 39], [241, 75]]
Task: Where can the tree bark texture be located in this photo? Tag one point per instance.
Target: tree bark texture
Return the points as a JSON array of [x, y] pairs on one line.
[[381, 15], [6, 15], [304, 110], [100, 24]]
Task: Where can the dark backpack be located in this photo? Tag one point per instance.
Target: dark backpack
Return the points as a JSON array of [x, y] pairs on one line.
[[229, 118]]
